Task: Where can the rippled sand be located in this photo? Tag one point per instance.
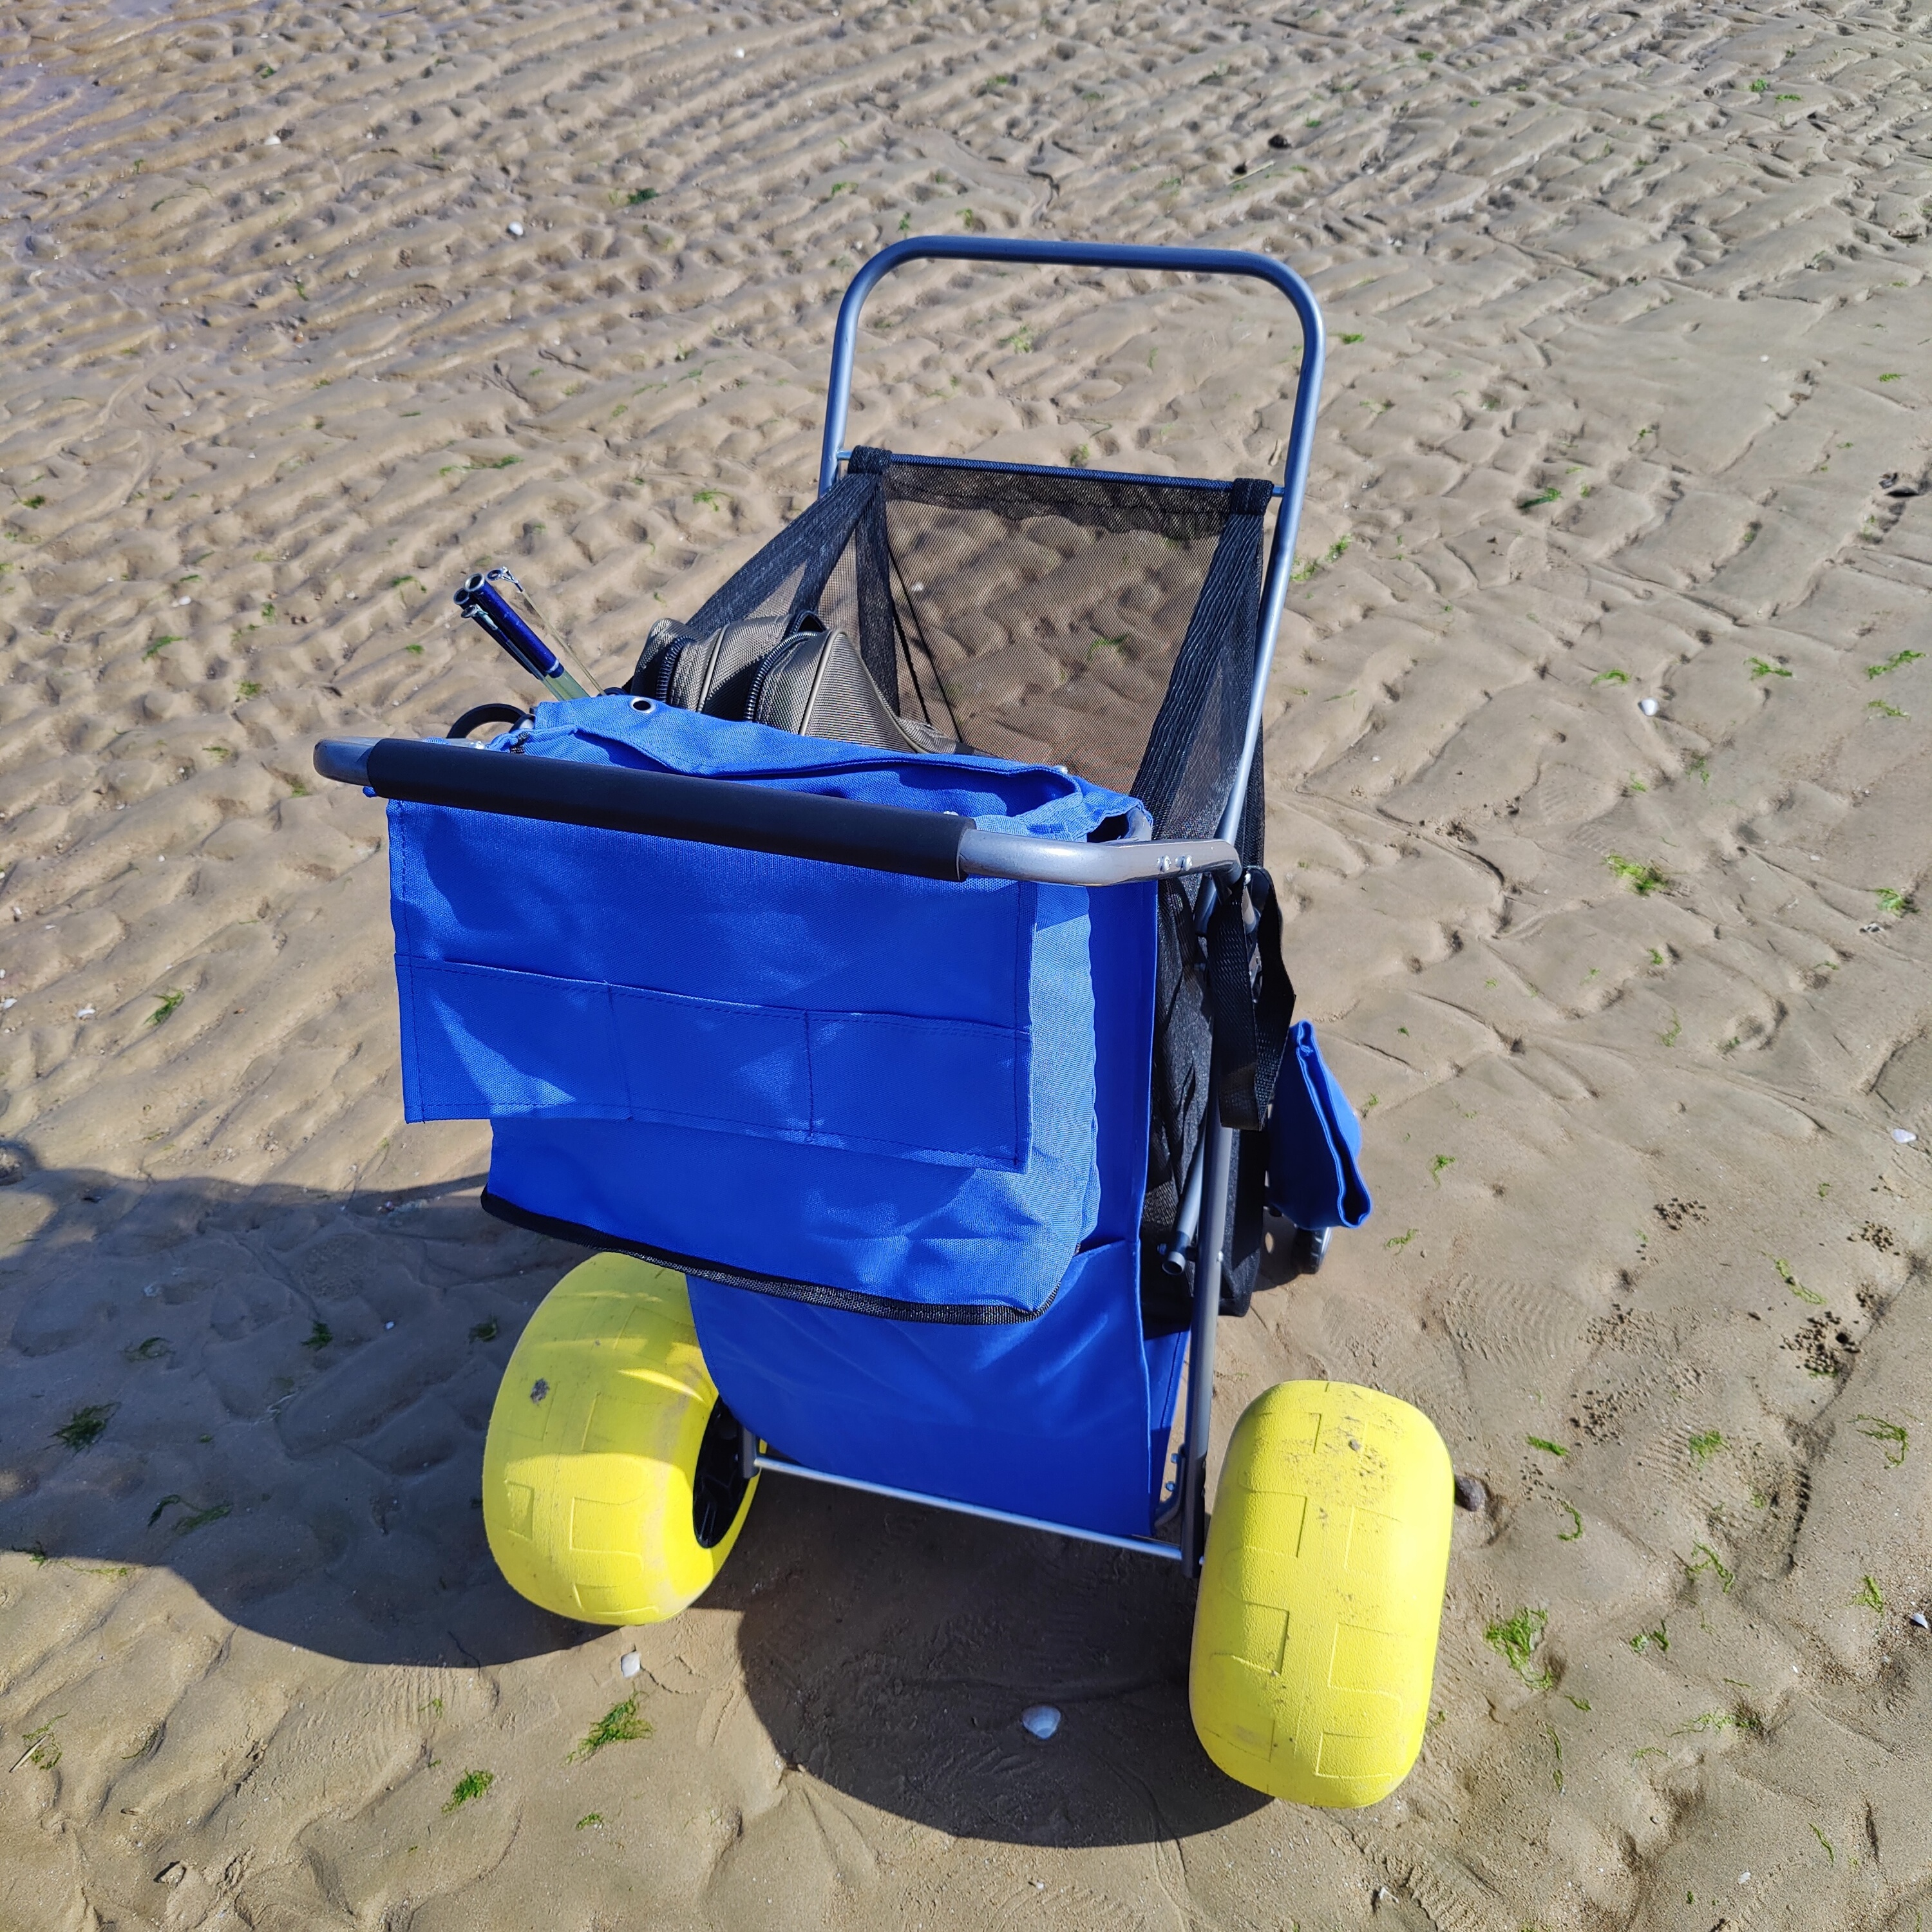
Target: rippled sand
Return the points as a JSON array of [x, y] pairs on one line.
[[1627, 400]]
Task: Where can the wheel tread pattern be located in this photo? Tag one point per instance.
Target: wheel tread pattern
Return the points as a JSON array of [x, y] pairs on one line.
[[593, 1442], [1321, 1594]]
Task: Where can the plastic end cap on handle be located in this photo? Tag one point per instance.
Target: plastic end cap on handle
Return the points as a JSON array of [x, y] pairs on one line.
[[344, 760]]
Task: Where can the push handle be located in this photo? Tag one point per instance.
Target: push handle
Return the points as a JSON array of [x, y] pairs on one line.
[[747, 817], [1162, 261], [710, 811], [1078, 255]]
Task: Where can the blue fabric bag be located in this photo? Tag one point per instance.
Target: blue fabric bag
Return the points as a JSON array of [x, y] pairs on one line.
[[1314, 1142], [893, 1130]]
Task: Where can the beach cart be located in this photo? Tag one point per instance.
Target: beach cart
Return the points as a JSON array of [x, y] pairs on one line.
[[885, 982]]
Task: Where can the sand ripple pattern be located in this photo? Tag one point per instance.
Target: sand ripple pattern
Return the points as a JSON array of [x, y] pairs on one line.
[[307, 311]]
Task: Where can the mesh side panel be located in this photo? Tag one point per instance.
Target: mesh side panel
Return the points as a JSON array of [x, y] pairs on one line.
[[1052, 639]]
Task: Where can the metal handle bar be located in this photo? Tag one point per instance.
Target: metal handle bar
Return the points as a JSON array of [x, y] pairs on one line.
[[1164, 261], [749, 818]]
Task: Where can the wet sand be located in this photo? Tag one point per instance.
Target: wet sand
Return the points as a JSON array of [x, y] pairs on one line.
[[1627, 400]]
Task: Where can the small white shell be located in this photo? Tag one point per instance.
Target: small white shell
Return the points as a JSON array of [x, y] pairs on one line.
[[1904, 1135], [629, 1664], [516, 228], [1647, 705], [1039, 1720]]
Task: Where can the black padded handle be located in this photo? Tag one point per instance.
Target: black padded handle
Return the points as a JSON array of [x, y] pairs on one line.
[[667, 805]]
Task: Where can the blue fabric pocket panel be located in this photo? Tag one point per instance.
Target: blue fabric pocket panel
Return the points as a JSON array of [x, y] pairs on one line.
[[714, 1063], [899, 1085], [489, 1042], [480, 1043]]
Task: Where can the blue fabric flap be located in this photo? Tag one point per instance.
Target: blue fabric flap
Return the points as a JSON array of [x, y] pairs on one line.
[[1314, 1141], [864, 1082]]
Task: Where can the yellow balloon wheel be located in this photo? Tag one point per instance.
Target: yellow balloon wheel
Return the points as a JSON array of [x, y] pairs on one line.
[[613, 1489], [1321, 1594]]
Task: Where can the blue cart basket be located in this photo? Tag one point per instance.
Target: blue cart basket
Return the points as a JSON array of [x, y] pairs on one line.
[[884, 981]]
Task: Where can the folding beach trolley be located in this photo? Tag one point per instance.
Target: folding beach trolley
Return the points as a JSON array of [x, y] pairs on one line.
[[885, 981]]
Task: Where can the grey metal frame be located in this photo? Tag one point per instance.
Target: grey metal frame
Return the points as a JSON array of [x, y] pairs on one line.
[[757, 1462]]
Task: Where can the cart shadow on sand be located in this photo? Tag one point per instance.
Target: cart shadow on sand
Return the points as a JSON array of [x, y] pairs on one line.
[[247, 1418]]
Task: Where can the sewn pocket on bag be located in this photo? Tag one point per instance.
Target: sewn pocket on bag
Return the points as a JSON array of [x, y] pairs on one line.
[[485, 1042]]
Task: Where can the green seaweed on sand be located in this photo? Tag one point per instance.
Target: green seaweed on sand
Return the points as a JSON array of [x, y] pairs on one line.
[[1797, 1287], [319, 1335], [1658, 1639], [1704, 1446], [621, 1724], [1897, 661], [1516, 1640], [83, 1428], [471, 1784], [1708, 1559], [1892, 900], [43, 1748], [1308, 566], [1715, 1723], [1643, 880], [1891, 1434], [1870, 1597], [1549, 1448]]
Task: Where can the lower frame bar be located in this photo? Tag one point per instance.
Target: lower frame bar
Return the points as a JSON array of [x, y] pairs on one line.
[[1141, 1546]]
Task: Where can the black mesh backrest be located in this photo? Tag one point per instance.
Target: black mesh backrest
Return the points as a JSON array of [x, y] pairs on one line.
[[1037, 615]]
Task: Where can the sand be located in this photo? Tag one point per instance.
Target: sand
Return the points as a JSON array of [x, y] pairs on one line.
[[1627, 400]]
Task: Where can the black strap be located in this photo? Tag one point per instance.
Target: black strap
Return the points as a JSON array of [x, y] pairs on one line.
[[1251, 1019], [487, 714]]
